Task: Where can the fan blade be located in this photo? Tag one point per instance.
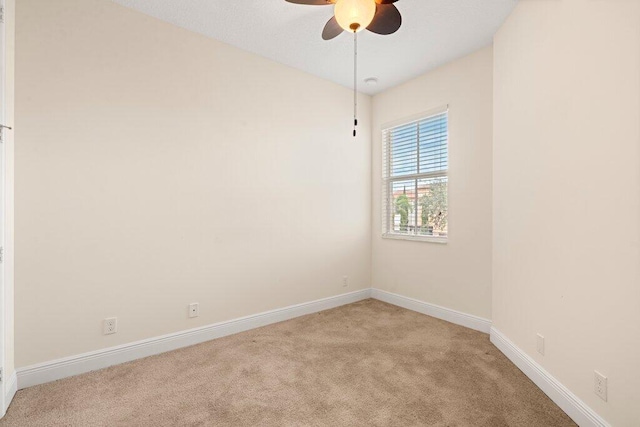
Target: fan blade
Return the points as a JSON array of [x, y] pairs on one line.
[[312, 2], [332, 29], [386, 1], [386, 21]]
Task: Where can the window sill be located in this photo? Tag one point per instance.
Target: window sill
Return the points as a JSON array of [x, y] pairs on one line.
[[430, 239]]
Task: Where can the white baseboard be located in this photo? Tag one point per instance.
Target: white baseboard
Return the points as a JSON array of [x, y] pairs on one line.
[[565, 399], [10, 391], [74, 365], [453, 316]]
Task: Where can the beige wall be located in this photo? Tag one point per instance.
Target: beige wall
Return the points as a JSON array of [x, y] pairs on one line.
[[156, 167], [8, 142], [456, 275], [567, 193]]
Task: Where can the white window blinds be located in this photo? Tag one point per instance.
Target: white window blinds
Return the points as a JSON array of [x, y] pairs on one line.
[[415, 183]]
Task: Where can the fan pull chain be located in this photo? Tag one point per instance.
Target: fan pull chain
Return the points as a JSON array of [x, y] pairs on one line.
[[355, 82]]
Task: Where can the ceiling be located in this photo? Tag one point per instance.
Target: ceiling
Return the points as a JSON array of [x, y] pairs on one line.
[[433, 32]]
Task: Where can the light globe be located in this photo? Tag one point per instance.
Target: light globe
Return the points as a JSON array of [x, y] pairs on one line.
[[355, 15]]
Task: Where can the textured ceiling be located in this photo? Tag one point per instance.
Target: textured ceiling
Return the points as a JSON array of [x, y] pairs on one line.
[[433, 32]]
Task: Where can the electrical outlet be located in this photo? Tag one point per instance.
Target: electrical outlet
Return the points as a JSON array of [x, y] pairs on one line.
[[345, 281], [540, 344], [193, 310], [600, 385], [110, 325]]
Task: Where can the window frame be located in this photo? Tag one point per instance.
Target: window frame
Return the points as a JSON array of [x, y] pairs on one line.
[[388, 180]]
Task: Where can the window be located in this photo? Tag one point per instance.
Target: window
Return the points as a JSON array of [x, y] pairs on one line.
[[415, 183]]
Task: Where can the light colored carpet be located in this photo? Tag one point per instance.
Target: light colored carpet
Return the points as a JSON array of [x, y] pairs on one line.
[[364, 364]]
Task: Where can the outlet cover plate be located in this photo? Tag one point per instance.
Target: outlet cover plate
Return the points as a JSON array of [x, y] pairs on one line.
[[600, 385], [110, 325], [194, 310], [540, 344]]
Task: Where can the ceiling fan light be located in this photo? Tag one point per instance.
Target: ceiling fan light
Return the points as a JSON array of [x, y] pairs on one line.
[[355, 15]]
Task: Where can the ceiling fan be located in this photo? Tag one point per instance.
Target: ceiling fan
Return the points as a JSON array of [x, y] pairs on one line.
[[377, 16]]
